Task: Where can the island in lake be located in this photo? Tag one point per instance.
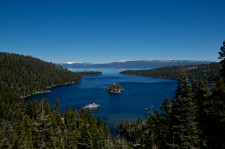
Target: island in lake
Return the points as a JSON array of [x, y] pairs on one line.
[[115, 88]]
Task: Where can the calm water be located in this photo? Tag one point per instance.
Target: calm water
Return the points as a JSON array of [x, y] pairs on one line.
[[140, 93]]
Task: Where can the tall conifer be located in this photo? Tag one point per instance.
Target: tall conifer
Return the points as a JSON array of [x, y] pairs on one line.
[[184, 125], [222, 57]]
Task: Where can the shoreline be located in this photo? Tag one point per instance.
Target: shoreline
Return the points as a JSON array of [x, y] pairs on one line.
[[211, 82], [150, 76], [49, 87]]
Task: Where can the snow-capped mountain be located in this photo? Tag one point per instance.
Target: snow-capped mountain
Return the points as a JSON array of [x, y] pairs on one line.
[[134, 64]]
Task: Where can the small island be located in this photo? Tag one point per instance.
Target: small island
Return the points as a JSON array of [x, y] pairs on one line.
[[115, 88]]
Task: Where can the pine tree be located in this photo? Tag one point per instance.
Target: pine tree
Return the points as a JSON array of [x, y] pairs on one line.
[[73, 127], [215, 116], [75, 111], [67, 115], [201, 94], [29, 128], [85, 139], [29, 109], [5, 133], [22, 133], [184, 125], [56, 106], [222, 56], [165, 122], [90, 120], [59, 128], [166, 106], [43, 129], [150, 137], [100, 133], [214, 111]]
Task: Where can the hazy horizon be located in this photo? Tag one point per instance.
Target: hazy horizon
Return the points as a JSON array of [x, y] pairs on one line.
[[138, 60]]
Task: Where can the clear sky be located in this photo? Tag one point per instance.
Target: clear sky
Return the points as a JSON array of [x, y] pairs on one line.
[[111, 30]]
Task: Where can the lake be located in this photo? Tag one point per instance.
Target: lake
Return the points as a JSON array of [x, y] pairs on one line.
[[141, 94]]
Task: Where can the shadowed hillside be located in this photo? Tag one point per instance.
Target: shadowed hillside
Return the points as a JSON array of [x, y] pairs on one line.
[[26, 75]]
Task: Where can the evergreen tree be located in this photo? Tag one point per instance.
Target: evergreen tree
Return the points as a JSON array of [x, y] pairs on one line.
[[222, 56], [201, 94], [67, 116], [59, 128], [75, 111], [92, 127], [5, 133], [215, 116], [43, 129], [56, 106], [184, 125], [150, 137], [165, 121], [29, 109], [166, 106], [100, 133], [85, 139]]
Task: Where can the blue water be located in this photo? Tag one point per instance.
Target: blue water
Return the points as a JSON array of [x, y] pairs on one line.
[[140, 93]]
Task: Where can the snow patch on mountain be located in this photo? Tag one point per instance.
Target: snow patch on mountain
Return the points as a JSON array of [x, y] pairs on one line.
[[122, 61], [73, 62]]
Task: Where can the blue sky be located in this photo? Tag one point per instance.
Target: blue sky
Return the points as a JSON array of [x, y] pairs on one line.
[[111, 30]]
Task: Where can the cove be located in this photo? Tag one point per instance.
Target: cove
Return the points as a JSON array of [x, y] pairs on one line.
[[141, 95]]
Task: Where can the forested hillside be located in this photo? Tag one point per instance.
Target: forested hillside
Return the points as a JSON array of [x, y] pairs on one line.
[[195, 72], [35, 124], [25, 75], [193, 119]]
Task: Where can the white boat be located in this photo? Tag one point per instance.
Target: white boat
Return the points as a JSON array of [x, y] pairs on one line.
[[93, 105]]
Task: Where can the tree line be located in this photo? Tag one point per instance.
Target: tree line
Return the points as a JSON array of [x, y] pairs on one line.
[[89, 73], [37, 125], [194, 118], [195, 72]]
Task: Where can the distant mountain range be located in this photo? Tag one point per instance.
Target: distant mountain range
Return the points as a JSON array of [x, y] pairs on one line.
[[134, 64]]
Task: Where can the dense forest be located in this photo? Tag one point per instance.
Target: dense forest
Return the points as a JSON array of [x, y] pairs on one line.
[[194, 118], [195, 72], [35, 124], [90, 73], [25, 75], [38, 126]]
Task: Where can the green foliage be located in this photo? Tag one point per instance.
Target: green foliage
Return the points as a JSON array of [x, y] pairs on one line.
[[195, 119], [49, 130], [214, 113], [35, 124], [222, 57], [183, 115], [90, 73], [195, 72], [24, 75], [115, 88]]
